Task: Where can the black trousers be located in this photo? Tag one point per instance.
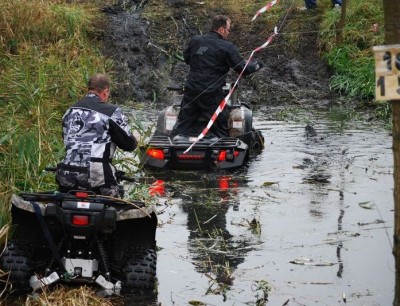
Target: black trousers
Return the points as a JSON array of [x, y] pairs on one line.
[[193, 106]]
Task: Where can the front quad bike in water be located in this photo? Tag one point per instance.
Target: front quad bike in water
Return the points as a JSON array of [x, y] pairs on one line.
[[163, 152], [80, 237]]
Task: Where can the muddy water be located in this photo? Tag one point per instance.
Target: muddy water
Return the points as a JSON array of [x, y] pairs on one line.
[[309, 221]]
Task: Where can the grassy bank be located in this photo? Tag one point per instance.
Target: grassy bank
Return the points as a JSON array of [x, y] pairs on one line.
[[352, 58]]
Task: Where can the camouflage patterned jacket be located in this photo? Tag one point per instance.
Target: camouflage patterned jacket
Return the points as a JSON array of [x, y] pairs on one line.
[[91, 131]]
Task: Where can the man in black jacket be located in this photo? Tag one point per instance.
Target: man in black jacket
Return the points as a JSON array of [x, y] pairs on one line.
[[92, 130], [210, 57]]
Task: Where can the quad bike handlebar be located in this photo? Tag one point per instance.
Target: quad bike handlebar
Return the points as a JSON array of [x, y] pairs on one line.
[[176, 87], [120, 175], [79, 195], [82, 195]]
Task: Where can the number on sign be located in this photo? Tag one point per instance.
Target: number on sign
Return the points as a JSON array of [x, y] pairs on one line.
[[397, 64], [387, 57], [381, 84], [387, 72]]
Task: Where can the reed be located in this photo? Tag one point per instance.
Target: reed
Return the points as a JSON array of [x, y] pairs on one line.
[[46, 57]]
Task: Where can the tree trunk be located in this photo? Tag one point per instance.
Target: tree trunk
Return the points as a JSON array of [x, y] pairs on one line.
[[341, 23], [396, 157], [391, 10]]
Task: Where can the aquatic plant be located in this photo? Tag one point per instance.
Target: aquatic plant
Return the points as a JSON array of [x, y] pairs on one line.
[[262, 289]]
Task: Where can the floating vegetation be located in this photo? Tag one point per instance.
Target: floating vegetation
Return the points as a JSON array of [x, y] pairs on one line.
[[262, 289]]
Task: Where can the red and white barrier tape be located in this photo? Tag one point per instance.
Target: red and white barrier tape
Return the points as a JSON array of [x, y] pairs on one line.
[[225, 100], [264, 9]]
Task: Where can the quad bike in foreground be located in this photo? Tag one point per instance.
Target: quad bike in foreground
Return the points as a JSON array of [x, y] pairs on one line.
[[80, 237], [163, 152]]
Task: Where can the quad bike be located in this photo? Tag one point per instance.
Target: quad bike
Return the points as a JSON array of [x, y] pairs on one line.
[[163, 152], [80, 237]]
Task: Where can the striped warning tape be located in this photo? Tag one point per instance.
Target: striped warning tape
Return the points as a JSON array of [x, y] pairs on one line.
[[264, 9]]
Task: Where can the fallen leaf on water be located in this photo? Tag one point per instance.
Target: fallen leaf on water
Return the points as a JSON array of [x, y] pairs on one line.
[[377, 221], [266, 184], [367, 205], [317, 178], [196, 303], [310, 262]]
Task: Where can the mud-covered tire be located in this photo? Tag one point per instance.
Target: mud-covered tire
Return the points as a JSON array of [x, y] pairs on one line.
[[16, 259], [139, 272], [257, 140]]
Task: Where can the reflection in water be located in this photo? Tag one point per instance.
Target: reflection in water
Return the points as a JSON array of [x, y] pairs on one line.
[[157, 188], [228, 187], [206, 199], [340, 243], [324, 155], [338, 251]]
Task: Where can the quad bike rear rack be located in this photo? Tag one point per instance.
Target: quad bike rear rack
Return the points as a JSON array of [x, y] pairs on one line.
[[163, 153]]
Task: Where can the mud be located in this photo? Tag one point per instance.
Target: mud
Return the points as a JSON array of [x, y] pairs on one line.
[[126, 43], [292, 75]]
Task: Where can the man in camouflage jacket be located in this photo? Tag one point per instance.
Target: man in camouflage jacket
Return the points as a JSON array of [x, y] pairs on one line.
[[92, 130]]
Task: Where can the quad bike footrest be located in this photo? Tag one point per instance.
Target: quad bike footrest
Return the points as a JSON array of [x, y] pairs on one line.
[[38, 283], [109, 287]]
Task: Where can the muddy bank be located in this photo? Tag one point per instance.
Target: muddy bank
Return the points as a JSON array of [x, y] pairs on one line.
[[137, 64], [145, 62]]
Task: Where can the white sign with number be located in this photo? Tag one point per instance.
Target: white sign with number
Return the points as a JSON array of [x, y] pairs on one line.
[[387, 72]]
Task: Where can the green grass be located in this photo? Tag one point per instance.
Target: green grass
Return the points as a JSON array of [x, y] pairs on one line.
[[46, 57], [354, 72], [352, 60]]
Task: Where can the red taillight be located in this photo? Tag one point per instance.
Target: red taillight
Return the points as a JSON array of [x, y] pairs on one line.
[[222, 155], [80, 220], [155, 153], [80, 194]]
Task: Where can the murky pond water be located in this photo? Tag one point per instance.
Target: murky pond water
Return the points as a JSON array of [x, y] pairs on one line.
[[309, 221]]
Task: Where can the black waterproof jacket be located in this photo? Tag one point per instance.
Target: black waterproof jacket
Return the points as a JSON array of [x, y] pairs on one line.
[[210, 57]]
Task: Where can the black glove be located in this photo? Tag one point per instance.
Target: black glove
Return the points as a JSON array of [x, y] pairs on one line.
[[258, 65]]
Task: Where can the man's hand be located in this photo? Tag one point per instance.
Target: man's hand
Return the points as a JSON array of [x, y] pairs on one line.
[[258, 65]]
